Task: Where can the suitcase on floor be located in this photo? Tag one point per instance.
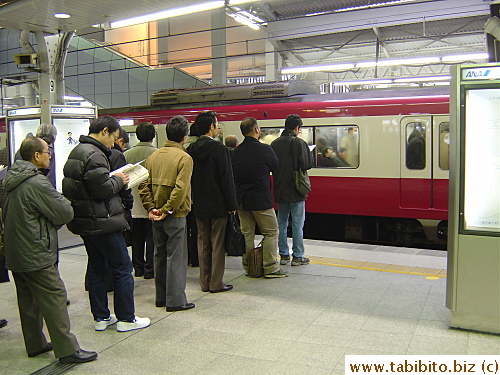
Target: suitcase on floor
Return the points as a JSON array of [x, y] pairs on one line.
[[255, 262]]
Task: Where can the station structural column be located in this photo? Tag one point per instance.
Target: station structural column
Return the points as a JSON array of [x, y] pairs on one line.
[[219, 55]]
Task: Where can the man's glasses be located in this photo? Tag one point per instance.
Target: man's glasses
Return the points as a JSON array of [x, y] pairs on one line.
[[46, 152]]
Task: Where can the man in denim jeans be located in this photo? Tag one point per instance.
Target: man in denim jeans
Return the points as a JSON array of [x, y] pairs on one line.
[[292, 153], [99, 220]]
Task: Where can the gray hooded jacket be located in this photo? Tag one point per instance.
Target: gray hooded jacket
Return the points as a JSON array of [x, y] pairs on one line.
[[33, 211]]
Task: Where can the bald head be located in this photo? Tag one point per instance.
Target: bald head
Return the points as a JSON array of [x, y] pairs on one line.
[[231, 141]]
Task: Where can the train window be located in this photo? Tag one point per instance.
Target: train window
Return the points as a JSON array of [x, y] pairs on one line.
[[337, 146], [268, 135], [444, 146], [415, 145]]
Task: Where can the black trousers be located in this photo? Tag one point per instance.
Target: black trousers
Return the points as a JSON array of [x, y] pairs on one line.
[[142, 234]]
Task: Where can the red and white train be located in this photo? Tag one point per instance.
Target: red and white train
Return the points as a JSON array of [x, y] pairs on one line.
[[384, 196]]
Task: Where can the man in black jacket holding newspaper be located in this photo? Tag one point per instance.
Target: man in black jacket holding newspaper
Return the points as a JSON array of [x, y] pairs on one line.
[[253, 162], [293, 153]]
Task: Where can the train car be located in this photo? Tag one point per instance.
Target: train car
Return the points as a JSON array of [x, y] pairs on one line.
[[393, 184]]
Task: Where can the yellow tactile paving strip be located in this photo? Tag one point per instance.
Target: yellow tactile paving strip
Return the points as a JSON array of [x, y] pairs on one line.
[[372, 266]]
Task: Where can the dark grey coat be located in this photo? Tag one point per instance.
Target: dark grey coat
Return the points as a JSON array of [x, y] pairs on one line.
[[33, 211]]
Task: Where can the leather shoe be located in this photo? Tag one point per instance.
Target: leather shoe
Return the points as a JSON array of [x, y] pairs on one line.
[[81, 356], [148, 276], [48, 348], [160, 304], [225, 288], [187, 306], [3, 323]]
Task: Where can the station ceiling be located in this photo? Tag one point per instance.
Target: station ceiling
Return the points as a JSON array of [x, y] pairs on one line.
[[304, 32]]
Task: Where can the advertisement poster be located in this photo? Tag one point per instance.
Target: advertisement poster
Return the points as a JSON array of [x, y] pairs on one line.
[[482, 160], [68, 133], [18, 131]]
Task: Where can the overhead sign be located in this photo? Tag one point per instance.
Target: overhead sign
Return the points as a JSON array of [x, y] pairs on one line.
[[24, 111], [481, 73], [72, 110]]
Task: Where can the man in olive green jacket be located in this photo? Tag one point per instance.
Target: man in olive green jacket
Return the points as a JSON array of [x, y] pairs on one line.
[[33, 211], [166, 196]]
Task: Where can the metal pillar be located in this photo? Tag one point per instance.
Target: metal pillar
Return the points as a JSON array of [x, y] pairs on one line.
[[219, 56], [52, 51], [274, 62]]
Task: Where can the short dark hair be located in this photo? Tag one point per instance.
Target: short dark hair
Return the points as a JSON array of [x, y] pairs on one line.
[[29, 146], [104, 122], [292, 121], [177, 128], [145, 132], [248, 125], [341, 150], [325, 150], [124, 135], [194, 129], [204, 120], [47, 132]]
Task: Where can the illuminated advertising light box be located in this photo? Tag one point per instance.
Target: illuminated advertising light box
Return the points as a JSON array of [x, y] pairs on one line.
[[19, 130], [68, 133], [481, 201]]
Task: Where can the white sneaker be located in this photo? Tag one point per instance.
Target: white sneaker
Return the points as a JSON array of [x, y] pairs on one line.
[[102, 324], [138, 323]]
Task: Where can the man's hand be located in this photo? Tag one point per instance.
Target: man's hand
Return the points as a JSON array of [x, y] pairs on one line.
[[125, 177], [156, 215]]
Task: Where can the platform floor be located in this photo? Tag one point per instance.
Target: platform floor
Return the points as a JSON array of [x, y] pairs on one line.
[[303, 324]]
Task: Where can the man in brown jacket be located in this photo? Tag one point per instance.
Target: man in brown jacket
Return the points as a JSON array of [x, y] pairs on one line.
[[166, 196]]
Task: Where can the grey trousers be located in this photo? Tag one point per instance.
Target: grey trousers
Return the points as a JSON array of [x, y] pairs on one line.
[[268, 226], [211, 252], [41, 295], [170, 240]]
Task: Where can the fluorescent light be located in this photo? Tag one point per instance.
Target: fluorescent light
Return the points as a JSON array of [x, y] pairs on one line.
[[169, 13], [68, 97], [62, 15], [412, 61], [236, 2], [465, 57], [126, 121], [243, 20], [368, 82], [422, 79], [316, 68]]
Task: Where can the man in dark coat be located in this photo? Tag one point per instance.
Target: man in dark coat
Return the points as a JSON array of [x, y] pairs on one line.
[[33, 212], [293, 153], [213, 197], [253, 162], [99, 220]]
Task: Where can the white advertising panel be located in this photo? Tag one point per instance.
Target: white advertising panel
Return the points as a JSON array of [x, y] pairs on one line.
[[68, 133], [18, 131], [482, 160]]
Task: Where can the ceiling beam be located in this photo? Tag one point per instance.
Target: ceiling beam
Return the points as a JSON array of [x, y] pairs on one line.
[[375, 17]]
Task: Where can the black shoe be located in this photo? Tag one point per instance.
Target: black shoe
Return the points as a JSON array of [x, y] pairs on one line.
[[48, 348], [148, 276], [3, 323], [139, 273], [187, 306], [160, 304], [81, 356], [225, 288]]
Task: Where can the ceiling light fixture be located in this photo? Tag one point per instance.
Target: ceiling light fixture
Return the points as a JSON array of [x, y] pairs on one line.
[[366, 82], [62, 15], [422, 79], [316, 68], [169, 13], [243, 20], [465, 57], [244, 17]]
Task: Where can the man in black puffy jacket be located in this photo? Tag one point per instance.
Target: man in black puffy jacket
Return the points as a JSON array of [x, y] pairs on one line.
[[99, 220]]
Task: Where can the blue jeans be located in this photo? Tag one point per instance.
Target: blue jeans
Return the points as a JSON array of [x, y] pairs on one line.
[[109, 250], [298, 212]]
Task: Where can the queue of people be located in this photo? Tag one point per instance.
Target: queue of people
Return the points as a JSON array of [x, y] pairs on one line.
[[206, 176]]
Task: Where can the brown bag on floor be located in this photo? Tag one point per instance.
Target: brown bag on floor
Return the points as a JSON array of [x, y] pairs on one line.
[[255, 262]]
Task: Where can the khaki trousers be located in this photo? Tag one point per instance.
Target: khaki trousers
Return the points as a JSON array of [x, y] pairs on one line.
[[211, 252], [41, 295], [268, 226]]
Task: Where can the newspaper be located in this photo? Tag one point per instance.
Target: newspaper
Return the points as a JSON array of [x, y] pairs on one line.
[[136, 172]]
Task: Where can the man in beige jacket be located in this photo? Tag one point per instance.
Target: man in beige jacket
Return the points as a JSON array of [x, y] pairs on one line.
[[166, 196]]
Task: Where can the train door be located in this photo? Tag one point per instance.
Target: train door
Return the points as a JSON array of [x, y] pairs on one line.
[[440, 168], [416, 162]]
